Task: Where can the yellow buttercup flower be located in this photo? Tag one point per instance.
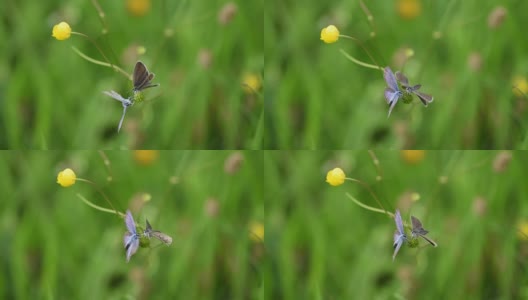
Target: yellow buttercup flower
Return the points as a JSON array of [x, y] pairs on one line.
[[61, 31], [520, 86], [413, 156], [335, 177], [66, 178], [251, 82], [330, 34], [146, 157], [409, 9], [138, 8], [256, 232], [522, 230]]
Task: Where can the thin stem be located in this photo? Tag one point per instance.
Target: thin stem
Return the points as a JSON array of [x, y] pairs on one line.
[[99, 191], [368, 207], [370, 17], [359, 62], [360, 43], [98, 62], [370, 191], [99, 207], [101, 15], [95, 44]]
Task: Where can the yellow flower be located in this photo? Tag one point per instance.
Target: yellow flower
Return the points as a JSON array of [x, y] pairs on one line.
[[520, 86], [413, 156], [522, 230], [61, 31], [251, 82], [138, 8], [330, 34], [146, 157], [256, 232], [409, 9], [66, 178], [335, 177]]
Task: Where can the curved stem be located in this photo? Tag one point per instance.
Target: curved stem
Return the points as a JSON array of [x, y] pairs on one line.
[[368, 207], [95, 44], [100, 192], [370, 191], [363, 47], [99, 207], [364, 64], [98, 62]]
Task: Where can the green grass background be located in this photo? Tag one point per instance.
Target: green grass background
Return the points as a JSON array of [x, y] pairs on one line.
[[315, 98], [53, 246], [51, 98], [322, 245]]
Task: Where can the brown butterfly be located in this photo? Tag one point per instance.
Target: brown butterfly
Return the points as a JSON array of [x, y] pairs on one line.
[[418, 230], [142, 77], [425, 98], [157, 234]]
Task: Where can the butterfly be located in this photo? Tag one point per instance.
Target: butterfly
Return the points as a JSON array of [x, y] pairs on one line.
[[392, 92], [425, 98], [141, 77], [126, 102], [148, 232], [131, 238], [418, 230], [399, 235]]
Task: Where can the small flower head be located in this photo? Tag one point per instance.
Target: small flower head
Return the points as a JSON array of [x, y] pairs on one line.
[[497, 16], [335, 177], [227, 13], [330, 34], [61, 31], [256, 231], [66, 178], [413, 156]]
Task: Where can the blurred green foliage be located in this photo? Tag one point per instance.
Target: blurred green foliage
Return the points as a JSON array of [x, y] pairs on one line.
[[322, 245], [51, 98], [316, 98], [54, 246]]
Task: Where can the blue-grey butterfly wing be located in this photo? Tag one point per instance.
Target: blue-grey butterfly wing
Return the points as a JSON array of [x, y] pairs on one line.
[[129, 222], [389, 79], [399, 222], [398, 242], [132, 247], [392, 97]]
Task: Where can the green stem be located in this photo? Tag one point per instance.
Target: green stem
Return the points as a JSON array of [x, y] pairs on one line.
[[99, 207], [369, 207], [359, 62], [101, 63], [370, 191], [363, 47], [99, 191]]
